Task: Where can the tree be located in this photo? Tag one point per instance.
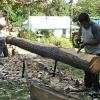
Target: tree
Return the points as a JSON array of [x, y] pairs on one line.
[[59, 8], [19, 10], [90, 6]]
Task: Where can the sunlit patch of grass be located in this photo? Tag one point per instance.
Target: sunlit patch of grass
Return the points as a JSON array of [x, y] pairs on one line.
[[71, 70], [7, 85], [20, 93]]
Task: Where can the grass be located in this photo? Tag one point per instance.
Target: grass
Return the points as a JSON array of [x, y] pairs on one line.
[[5, 98], [13, 91], [19, 94], [71, 70], [7, 86]]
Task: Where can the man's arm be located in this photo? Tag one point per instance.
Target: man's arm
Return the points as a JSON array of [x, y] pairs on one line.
[[78, 40], [79, 33], [2, 26], [96, 35], [92, 42]]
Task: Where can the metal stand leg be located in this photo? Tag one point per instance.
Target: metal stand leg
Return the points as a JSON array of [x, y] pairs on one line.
[[55, 66], [23, 71]]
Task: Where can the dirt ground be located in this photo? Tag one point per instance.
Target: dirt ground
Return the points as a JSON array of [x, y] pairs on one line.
[[16, 72]]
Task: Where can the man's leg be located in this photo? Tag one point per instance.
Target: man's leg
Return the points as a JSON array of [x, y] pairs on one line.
[[95, 79], [5, 51], [2, 43], [88, 80]]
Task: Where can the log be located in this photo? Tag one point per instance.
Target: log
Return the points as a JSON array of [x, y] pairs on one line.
[[41, 92], [67, 56]]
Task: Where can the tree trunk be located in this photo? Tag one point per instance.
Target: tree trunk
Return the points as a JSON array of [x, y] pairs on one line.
[[67, 56]]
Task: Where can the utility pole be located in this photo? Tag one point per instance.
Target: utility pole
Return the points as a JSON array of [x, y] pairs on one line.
[[71, 16], [48, 7], [30, 2]]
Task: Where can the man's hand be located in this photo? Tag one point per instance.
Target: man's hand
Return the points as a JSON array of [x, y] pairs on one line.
[[95, 65], [7, 26], [81, 47], [2, 26], [78, 41]]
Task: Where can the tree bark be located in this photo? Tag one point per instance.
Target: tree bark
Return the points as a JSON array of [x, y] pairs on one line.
[[67, 56]]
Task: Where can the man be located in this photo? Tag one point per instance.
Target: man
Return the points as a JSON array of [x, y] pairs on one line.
[[89, 35], [3, 26]]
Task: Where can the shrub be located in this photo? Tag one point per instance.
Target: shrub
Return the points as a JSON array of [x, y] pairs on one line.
[[47, 38], [46, 33], [60, 42], [27, 35]]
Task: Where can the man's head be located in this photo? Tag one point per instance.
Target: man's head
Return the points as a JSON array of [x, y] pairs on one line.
[[4, 13], [84, 20]]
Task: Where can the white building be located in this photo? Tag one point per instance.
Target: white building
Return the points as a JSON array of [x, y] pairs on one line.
[[56, 23]]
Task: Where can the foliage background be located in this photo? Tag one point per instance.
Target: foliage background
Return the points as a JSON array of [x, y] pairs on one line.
[[18, 12]]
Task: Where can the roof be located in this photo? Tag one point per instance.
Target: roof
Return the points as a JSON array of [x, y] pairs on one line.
[[49, 22]]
